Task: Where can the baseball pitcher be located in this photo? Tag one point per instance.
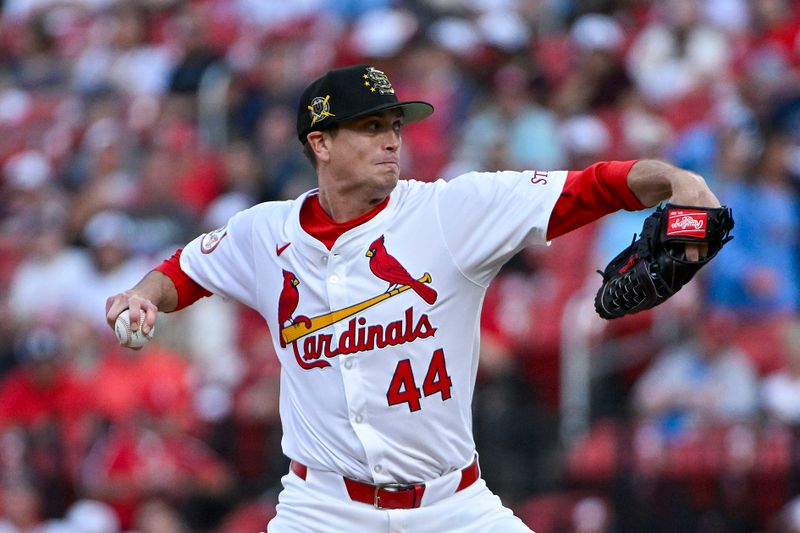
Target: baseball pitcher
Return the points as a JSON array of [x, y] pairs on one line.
[[372, 289]]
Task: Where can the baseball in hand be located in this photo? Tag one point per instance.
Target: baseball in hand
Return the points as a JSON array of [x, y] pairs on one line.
[[127, 337]]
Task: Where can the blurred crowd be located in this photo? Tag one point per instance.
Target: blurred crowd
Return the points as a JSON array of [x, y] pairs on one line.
[[129, 127]]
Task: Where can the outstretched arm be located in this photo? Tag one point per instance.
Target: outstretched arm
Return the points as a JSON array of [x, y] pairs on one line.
[[156, 292], [653, 181], [609, 186]]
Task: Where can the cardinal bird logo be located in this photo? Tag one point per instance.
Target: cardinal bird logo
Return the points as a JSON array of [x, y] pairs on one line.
[[287, 303], [315, 345], [389, 269]]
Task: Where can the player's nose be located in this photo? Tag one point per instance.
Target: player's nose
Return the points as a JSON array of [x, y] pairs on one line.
[[393, 140]]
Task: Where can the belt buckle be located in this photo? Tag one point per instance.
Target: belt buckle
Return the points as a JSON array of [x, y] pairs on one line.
[[389, 487]]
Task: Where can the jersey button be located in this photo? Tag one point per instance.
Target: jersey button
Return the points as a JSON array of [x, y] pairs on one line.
[[359, 419], [348, 364], [377, 468], [334, 279]]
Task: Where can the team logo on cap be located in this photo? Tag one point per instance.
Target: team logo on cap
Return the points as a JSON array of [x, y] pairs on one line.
[[377, 81], [320, 109]]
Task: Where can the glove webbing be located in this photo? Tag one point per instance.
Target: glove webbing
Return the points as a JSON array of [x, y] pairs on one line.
[[623, 294]]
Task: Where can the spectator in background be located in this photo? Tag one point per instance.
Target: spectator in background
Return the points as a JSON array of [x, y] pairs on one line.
[[270, 80], [644, 133], [36, 64], [122, 55], [150, 457], [677, 53], [241, 175], [429, 71], [40, 391], [284, 173], [585, 138], [514, 339], [736, 154], [759, 275], [780, 391], [511, 130], [772, 45], [101, 173], [197, 54], [43, 398], [599, 79], [703, 381], [211, 333], [26, 187], [124, 384], [189, 170], [110, 236], [162, 216], [36, 220]]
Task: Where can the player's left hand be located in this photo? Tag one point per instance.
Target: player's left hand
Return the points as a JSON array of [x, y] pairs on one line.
[[692, 190]]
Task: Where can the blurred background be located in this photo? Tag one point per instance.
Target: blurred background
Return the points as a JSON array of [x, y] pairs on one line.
[[127, 128]]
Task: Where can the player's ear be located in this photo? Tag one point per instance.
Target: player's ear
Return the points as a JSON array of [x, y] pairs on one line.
[[318, 142]]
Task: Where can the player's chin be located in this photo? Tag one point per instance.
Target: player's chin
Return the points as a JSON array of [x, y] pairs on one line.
[[388, 175]]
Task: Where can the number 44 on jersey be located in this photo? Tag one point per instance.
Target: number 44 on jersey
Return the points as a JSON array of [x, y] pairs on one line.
[[403, 387]]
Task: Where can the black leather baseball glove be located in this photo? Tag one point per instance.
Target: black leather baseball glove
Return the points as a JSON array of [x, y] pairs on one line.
[[654, 267]]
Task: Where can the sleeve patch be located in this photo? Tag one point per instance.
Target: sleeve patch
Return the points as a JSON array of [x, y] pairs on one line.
[[211, 240]]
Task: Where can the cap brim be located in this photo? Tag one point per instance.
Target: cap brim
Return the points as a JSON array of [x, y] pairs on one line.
[[412, 111]]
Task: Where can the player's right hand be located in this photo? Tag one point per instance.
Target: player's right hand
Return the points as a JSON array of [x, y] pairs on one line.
[[128, 300]]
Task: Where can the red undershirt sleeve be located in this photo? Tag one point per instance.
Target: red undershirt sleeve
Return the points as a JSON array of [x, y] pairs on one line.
[[189, 291], [591, 193]]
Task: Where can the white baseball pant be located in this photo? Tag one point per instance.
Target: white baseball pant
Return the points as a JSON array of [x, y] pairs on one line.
[[320, 504]]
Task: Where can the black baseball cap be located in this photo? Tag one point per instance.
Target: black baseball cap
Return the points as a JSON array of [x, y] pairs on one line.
[[351, 92]]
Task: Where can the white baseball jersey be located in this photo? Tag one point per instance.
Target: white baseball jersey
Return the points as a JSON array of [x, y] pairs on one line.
[[378, 338]]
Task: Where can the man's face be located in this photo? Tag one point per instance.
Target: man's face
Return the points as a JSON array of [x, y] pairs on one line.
[[365, 151]]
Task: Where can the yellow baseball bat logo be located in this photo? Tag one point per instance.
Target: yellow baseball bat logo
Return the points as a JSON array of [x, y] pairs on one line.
[[298, 330]]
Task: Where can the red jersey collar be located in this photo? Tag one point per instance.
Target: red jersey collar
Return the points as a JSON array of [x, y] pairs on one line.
[[317, 223]]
